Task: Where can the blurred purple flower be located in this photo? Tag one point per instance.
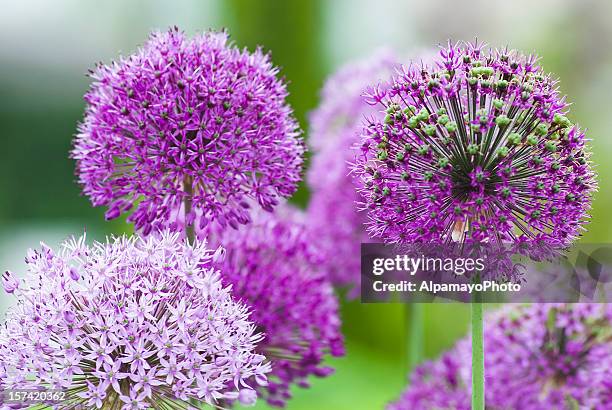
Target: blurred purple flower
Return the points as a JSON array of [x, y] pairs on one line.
[[474, 148], [191, 128], [538, 357], [274, 267], [148, 321], [435, 385], [335, 126]]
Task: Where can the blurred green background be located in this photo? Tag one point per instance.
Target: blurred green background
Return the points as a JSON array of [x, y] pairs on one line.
[[46, 47]]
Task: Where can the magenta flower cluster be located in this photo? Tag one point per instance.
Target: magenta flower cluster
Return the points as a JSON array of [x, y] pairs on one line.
[[132, 323], [474, 147], [539, 357], [194, 128], [274, 267], [334, 129]]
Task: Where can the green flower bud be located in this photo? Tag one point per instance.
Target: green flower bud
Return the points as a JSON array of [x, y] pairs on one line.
[[482, 72], [502, 120], [497, 103], [423, 114], [430, 130], [541, 129], [423, 149], [443, 162], [561, 120], [514, 138], [451, 126], [532, 139], [472, 149], [443, 119], [501, 85], [503, 152]]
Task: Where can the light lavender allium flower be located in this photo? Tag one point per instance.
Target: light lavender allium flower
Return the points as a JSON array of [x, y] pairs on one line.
[[475, 147], [194, 127], [335, 127], [132, 323], [274, 267], [538, 357]]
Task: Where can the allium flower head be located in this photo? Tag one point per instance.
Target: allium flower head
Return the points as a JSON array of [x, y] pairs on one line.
[[475, 147], [187, 126], [548, 356], [539, 357], [141, 323], [335, 126], [274, 268]]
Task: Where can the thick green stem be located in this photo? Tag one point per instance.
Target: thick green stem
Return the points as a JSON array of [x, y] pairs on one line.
[[415, 325], [188, 188], [478, 370]]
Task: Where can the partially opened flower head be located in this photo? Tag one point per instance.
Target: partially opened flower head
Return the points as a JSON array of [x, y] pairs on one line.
[[195, 128], [476, 147], [335, 128], [273, 266], [538, 357], [132, 323]]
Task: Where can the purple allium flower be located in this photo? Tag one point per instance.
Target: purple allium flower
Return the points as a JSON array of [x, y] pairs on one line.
[[194, 127], [274, 267], [476, 147], [335, 126], [538, 357], [146, 323]]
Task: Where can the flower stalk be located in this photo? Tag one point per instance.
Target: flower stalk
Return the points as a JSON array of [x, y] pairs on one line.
[[478, 370]]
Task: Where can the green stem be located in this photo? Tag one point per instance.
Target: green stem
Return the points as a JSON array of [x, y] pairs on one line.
[[415, 325], [189, 229], [478, 370]]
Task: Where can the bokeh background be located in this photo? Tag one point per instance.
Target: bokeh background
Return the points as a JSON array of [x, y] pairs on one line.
[[47, 46]]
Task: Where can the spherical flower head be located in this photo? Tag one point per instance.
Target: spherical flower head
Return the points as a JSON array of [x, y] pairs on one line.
[[476, 147], [334, 129], [274, 267], [132, 323], [435, 385], [538, 357], [547, 356], [191, 127]]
